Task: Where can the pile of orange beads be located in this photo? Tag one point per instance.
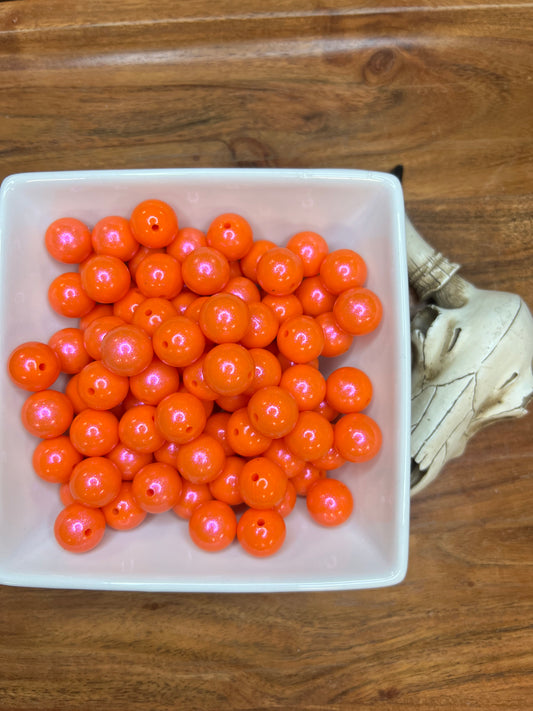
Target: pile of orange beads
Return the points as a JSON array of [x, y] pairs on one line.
[[194, 381]]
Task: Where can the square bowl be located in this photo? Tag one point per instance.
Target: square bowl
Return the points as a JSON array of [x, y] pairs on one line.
[[356, 209]]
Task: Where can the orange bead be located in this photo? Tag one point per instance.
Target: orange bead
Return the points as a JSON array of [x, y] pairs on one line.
[[178, 341], [79, 528], [280, 271], [212, 526], [232, 403], [329, 502], [358, 311], [288, 502], [182, 301], [143, 252], [95, 333], [154, 223], [311, 437], [267, 370], [194, 380], [312, 249], [68, 240], [306, 478], [73, 394], [300, 339], [156, 487], [128, 461], [47, 414], [193, 309], [336, 341], [68, 345], [94, 433], [284, 307], [205, 271], [192, 496], [152, 313], [112, 235], [217, 427], [314, 296], [138, 431], [306, 384], [180, 417], [358, 437], [95, 481], [331, 460], [273, 411], [67, 296], [279, 453], [186, 241], [98, 311], [231, 234], [244, 288], [105, 279], [262, 483], [126, 307], [33, 366], [250, 260], [228, 369], [168, 454], [287, 363], [224, 318], [261, 532], [202, 460], [127, 350], [343, 269], [226, 487], [159, 275], [262, 326], [325, 409], [348, 389], [124, 513], [54, 459], [155, 382], [243, 438]]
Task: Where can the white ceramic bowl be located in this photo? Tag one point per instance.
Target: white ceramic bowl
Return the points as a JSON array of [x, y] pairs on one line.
[[356, 209]]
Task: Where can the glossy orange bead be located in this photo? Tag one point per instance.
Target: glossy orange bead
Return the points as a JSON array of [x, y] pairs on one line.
[[137, 429], [68, 240], [159, 275], [224, 318], [325, 409], [234, 269], [312, 249], [205, 271], [330, 461], [314, 297], [157, 487], [262, 326], [128, 461], [152, 313], [155, 382], [311, 437], [100, 388], [232, 403], [68, 297], [287, 363], [201, 460], [112, 235], [193, 309], [94, 433], [33, 366], [273, 411], [358, 311], [105, 279], [194, 380], [154, 223], [329, 502], [336, 341], [226, 486], [68, 345], [126, 307], [231, 234], [348, 389], [54, 459], [186, 241], [143, 252], [358, 437], [244, 288], [343, 269], [47, 414], [167, 454], [180, 417], [217, 427], [300, 339], [306, 384], [182, 301], [178, 341], [262, 483], [288, 502], [73, 394], [306, 478], [213, 526], [261, 533], [95, 333], [243, 438], [192, 495], [279, 453], [127, 350], [95, 481], [124, 513], [98, 311], [267, 370], [228, 369], [284, 307], [65, 496], [279, 271], [79, 528], [250, 260]]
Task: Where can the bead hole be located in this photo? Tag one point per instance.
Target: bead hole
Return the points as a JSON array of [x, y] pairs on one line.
[[255, 477]]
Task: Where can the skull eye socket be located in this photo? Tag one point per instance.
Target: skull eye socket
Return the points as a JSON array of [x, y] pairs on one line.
[[454, 339], [509, 380]]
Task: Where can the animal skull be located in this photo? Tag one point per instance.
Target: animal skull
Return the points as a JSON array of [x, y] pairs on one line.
[[472, 360]]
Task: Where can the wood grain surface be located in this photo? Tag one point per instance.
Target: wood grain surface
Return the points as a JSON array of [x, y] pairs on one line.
[[442, 88]]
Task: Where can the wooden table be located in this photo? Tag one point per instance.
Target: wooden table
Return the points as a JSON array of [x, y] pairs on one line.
[[445, 89]]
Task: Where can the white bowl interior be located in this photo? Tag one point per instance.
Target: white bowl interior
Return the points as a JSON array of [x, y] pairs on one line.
[[355, 209]]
